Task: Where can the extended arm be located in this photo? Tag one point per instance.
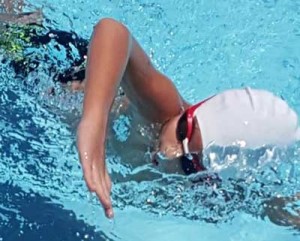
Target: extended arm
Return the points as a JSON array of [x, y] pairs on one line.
[[116, 58]]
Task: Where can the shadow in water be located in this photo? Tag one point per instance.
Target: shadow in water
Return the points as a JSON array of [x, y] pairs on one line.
[[29, 216]]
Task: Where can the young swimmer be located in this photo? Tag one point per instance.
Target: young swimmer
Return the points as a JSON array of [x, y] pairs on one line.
[[243, 117]]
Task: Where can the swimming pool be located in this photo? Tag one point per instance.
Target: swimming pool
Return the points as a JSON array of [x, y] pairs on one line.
[[205, 47]]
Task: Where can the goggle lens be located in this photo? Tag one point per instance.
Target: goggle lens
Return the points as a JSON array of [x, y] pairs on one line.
[[182, 127]]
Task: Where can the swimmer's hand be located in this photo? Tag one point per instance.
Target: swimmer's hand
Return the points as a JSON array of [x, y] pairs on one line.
[[92, 157]]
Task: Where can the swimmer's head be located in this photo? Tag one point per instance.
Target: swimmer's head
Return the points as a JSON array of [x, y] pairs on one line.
[[181, 137]]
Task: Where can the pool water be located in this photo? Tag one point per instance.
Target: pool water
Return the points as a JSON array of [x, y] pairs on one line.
[[205, 47]]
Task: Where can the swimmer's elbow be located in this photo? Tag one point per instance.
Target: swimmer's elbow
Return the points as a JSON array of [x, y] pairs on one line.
[[111, 25], [109, 30]]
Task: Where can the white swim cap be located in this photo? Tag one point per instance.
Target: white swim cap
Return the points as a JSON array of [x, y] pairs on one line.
[[247, 118]]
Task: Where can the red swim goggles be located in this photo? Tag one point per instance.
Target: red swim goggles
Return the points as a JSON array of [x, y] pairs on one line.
[[190, 162]]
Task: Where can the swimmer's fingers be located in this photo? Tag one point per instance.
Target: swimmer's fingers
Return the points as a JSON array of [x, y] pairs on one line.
[[87, 173], [91, 155], [102, 189], [98, 181]]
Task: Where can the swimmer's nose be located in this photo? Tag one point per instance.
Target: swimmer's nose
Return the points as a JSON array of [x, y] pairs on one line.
[[155, 158], [166, 164], [155, 162], [159, 157]]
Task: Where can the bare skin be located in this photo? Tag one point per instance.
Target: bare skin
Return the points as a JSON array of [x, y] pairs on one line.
[[22, 18], [276, 210], [27, 18], [13, 13], [12, 6], [115, 58]]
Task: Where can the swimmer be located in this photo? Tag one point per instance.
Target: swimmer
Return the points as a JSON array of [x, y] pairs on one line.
[[248, 118]]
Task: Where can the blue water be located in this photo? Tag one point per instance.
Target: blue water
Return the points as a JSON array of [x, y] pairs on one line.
[[205, 47]]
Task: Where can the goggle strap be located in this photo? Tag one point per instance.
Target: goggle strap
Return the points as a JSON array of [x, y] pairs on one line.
[[185, 144], [190, 116]]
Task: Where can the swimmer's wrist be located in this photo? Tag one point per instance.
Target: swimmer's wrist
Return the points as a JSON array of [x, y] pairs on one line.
[[95, 117], [92, 130]]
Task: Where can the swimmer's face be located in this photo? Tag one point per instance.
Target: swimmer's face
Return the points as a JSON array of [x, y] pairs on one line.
[[169, 146]]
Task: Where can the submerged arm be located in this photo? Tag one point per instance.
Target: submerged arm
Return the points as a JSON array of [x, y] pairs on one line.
[[116, 58], [12, 6], [22, 18]]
